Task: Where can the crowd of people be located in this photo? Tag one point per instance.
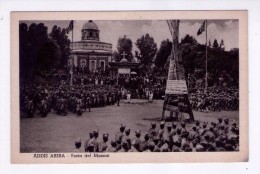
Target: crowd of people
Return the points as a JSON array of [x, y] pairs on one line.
[[64, 98], [215, 99], [96, 89], [201, 137]]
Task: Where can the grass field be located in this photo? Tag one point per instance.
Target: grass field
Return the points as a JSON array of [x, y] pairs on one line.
[[56, 133]]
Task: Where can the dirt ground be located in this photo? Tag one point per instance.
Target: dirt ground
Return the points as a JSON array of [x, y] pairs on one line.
[[57, 133]]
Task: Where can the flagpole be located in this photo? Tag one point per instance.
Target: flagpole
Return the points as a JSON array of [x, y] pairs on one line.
[[71, 67], [206, 78]]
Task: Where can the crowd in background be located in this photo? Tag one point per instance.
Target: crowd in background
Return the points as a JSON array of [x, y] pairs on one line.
[[64, 98], [97, 89]]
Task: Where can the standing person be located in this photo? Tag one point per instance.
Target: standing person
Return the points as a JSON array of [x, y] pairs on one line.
[[88, 102], [30, 108], [137, 140], [160, 132], [118, 97], [94, 142], [44, 108], [127, 138], [87, 142], [150, 96], [79, 106], [152, 131], [120, 134], [123, 93], [128, 95]]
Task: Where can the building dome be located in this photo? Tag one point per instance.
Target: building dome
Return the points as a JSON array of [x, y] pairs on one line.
[[124, 60], [90, 31], [90, 26]]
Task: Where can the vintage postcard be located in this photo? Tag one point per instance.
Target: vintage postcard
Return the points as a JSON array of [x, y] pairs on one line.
[[129, 87]]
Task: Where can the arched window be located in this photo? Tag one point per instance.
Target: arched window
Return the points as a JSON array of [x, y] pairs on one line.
[[102, 65], [90, 34], [93, 65]]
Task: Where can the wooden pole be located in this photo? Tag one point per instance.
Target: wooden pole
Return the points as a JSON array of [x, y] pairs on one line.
[[72, 62], [206, 76], [174, 28]]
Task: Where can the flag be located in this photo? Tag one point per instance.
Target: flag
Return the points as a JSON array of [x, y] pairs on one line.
[[202, 28], [70, 27]]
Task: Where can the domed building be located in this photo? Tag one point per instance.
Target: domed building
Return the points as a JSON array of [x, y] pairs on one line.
[[90, 52]]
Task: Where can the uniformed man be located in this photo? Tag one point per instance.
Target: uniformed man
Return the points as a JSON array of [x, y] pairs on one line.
[[103, 145], [93, 143], [113, 147], [127, 138], [160, 132], [137, 140], [118, 97], [88, 102], [44, 108], [184, 132], [192, 133], [156, 145], [77, 145], [87, 142], [134, 146], [174, 129], [152, 131], [124, 147], [145, 143], [226, 125], [119, 135], [197, 123], [220, 123], [177, 138]]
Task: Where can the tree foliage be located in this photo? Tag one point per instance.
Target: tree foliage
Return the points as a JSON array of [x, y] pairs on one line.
[[59, 36], [188, 39], [31, 40], [215, 44], [40, 51], [220, 62], [163, 53], [147, 49], [124, 45]]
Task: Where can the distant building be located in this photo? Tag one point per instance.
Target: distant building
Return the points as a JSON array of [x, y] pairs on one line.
[[124, 67], [90, 52]]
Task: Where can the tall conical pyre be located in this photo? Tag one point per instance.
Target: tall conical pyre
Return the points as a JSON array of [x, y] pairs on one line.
[[176, 94]]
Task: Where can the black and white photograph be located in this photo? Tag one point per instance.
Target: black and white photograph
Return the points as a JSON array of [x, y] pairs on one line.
[[98, 87]]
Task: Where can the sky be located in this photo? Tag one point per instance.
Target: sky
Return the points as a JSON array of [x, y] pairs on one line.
[[110, 31]]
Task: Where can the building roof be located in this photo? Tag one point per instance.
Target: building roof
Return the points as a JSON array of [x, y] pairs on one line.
[[90, 25], [91, 41], [91, 51], [124, 60]]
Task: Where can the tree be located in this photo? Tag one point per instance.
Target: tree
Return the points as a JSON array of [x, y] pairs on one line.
[[215, 44], [222, 45], [125, 45], [189, 39], [209, 44], [116, 56], [59, 36], [147, 49], [49, 55], [31, 40], [163, 53]]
